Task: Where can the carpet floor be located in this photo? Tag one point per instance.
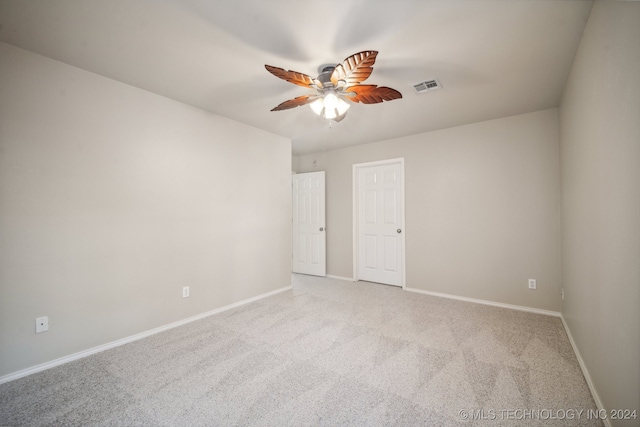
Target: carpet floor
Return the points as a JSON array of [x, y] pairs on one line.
[[327, 353]]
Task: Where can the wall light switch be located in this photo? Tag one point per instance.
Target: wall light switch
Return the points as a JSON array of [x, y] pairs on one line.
[[185, 292]]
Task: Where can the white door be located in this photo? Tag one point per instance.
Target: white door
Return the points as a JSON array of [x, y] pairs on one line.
[[309, 236], [379, 222]]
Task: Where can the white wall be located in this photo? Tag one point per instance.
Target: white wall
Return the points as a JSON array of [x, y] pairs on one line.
[[112, 199], [482, 208], [600, 152]]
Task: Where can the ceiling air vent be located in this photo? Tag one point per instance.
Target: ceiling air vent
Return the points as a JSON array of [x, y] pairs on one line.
[[427, 85]]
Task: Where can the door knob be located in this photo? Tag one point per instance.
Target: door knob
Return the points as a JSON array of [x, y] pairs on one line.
[[321, 228], [399, 231]]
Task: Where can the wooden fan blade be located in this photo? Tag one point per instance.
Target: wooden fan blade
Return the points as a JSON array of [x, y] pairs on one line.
[[294, 77], [355, 69], [372, 94], [296, 102]]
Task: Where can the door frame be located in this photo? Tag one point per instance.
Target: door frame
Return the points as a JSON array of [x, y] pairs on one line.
[[355, 210]]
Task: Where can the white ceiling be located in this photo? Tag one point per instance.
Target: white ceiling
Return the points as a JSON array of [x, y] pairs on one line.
[[493, 58]]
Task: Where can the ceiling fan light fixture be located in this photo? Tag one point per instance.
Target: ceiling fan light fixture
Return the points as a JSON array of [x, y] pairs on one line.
[[330, 113], [330, 106], [330, 101], [317, 106], [342, 106]]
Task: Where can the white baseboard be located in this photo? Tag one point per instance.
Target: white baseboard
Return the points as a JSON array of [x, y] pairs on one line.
[[487, 302], [585, 372], [98, 349], [349, 279]]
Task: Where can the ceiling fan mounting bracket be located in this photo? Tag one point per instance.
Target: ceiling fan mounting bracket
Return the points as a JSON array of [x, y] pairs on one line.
[[327, 68]]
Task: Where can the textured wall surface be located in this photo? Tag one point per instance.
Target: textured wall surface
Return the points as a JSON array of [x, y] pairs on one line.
[[112, 199], [482, 208], [600, 152]]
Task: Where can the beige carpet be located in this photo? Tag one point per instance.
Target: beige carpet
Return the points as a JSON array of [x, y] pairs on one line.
[[329, 353]]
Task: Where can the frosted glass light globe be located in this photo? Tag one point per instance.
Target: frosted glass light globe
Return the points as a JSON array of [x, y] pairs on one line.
[[330, 101]]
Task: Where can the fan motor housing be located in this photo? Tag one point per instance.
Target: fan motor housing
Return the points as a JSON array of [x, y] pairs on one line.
[[325, 71], [325, 78]]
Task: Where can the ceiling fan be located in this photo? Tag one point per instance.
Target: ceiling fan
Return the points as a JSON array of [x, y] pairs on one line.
[[336, 84]]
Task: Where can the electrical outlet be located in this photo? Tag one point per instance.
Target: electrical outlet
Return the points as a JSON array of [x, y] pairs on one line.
[[185, 292], [42, 324], [532, 284], [562, 294]]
